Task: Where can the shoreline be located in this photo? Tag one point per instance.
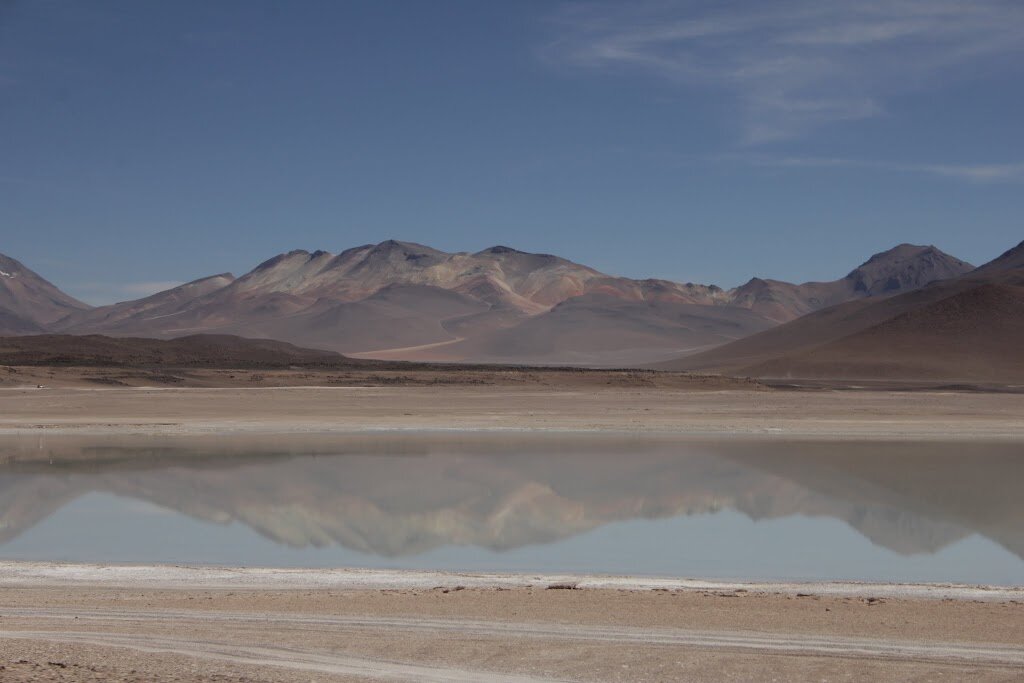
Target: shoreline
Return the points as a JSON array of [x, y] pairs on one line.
[[216, 429], [445, 628], [36, 574]]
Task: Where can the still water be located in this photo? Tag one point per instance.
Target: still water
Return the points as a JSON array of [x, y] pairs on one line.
[[557, 503]]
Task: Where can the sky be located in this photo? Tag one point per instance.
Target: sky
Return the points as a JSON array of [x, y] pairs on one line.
[[149, 143]]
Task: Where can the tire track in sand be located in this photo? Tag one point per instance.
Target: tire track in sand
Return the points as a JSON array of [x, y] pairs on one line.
[[989, 654], [286, 658]]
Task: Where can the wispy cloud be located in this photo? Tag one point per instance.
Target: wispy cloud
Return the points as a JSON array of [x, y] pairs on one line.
[[793, 65], [982, 173], [975, 173]]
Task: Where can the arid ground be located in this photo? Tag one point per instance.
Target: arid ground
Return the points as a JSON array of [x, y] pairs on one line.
[[205, 401], [448, 632]]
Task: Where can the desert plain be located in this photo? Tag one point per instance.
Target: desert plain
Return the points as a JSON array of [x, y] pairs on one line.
[[37, 400]]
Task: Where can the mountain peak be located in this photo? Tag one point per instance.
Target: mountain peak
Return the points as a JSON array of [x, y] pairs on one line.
[[900, 251], [395, 252], [500, 249], [905, 266], [273, 261], [291, 256], [399, 245]]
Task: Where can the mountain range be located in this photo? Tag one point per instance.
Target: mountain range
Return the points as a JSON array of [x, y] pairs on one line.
[[969, 327], [406, 301]]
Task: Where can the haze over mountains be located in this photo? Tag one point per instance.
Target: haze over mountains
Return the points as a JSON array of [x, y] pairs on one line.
[[400, 300]]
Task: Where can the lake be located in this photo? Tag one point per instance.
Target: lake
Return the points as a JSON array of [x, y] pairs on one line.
[[646, 505]]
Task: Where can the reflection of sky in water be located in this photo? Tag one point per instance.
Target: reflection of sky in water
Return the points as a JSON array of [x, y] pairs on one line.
[[770, 511], [726, 544]]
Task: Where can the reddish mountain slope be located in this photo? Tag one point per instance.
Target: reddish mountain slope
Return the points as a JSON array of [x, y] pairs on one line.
[[394, 297], [602, 329], [402, 300]]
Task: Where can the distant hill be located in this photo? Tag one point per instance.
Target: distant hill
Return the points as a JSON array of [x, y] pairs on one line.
[[383, 297], [976, 335], [966, 328], [129, 317], [599, 328], [407, 301], [198, 351], [901, 269]]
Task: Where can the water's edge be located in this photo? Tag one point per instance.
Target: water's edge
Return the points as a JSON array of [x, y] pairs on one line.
[[155, 576]]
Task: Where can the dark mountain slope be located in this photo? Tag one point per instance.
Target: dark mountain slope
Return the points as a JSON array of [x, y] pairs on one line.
[[12, 324], [27, 296], [967, 327], [973, 335]]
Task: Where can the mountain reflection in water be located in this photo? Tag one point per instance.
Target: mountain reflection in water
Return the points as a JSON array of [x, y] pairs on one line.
[[400, 495]]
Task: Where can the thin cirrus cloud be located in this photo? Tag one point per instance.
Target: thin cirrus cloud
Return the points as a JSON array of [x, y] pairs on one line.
[[975, 173], [792, 66]]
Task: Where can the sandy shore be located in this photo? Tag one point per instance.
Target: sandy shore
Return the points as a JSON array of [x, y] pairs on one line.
[[167, 577], [79, 623], [730, 412]]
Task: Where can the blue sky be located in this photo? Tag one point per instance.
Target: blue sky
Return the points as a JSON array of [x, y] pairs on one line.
[[149, 143]]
